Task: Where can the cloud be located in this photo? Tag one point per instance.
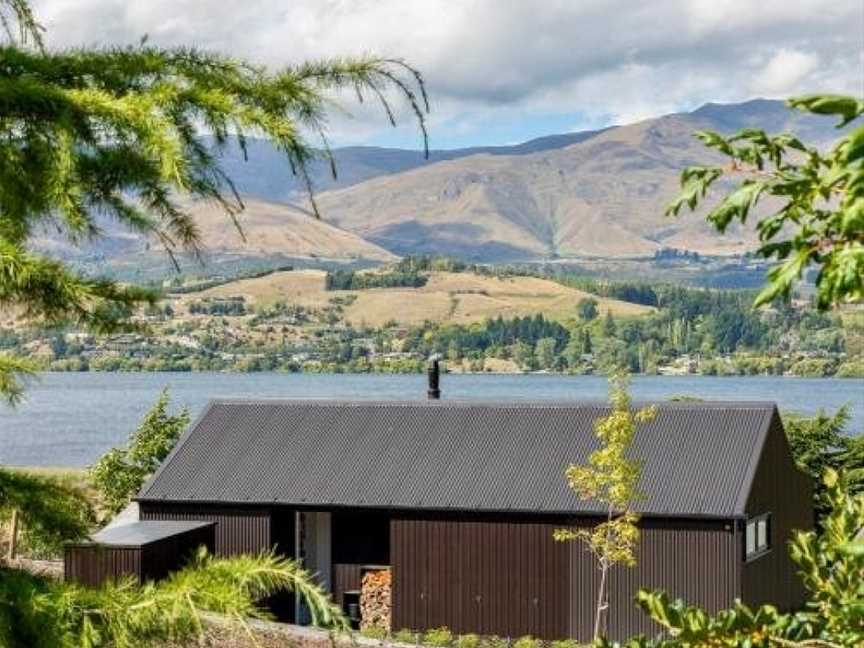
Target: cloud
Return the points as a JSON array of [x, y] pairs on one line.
[[490, 62], [784, 71]]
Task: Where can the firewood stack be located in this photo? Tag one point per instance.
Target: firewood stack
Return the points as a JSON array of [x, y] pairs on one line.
[[375, 599]]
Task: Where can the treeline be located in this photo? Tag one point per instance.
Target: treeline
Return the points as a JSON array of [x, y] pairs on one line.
[[350, 280], [232, 306]]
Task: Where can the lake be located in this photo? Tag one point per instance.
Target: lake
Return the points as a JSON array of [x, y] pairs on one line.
[[70, 419]]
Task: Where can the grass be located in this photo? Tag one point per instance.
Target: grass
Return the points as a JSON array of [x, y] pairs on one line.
[[460, 298]]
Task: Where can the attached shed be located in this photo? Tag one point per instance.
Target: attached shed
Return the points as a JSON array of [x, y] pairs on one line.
[[460, 500], [143, 550]]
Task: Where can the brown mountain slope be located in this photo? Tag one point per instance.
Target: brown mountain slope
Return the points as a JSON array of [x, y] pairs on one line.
[[602, 197], [270, 229]]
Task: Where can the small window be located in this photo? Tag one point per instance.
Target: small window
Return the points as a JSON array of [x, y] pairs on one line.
[[757, 537]]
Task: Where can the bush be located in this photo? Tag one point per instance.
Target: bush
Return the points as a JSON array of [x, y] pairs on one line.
[[494, 641], [373, 632], [438, 637], [468, 641], [527, 642], [564, 643], [851, 369], [405, 636]]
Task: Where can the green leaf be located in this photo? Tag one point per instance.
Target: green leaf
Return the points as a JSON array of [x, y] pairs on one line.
[[847, 108]]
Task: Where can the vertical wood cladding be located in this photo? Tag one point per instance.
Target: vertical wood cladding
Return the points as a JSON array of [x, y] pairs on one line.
[[511, 578], [92, 565], [692, 560], [780, 489], [505, 578], [238, 530]]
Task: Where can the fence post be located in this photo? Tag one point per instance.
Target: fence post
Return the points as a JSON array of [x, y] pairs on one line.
[[13, 539]]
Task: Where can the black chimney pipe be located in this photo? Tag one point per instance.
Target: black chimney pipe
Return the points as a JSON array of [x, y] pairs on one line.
[[433, 370]]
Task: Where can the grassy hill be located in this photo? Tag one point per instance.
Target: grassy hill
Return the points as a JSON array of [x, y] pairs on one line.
[[447, 297]]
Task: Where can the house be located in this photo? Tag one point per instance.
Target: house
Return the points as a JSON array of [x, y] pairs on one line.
[[459, 500]]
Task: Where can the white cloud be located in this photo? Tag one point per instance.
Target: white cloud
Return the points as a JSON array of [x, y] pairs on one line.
[[784, 72], [488, 61]]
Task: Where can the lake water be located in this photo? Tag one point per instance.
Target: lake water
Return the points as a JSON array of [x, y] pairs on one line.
[[69, 419]]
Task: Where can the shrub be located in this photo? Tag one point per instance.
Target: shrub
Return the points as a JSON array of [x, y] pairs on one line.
[[373, 632], [564, 643], [405, 636], [438, 637], [468, 641], [494, 641], [527, 642]]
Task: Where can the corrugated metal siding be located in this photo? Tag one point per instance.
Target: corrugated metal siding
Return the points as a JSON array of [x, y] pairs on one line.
[[505, 578], [238, 530], [93, 564], [346, 578], [780, 489], [511, 578], [695, 561], [460, 456]]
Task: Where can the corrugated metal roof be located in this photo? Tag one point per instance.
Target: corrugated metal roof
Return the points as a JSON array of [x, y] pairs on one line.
[[697, 458], [138, 534]]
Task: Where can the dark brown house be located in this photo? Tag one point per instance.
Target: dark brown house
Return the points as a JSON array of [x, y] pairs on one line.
[[460, 501]]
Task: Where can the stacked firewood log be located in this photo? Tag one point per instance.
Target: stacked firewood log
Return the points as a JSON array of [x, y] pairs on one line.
[[375, 599]]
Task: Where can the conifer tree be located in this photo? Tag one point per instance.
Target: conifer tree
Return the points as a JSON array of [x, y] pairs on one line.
[[89, 135]]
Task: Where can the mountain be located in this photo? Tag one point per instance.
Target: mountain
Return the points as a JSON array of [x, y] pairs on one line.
[[264, 172], [587, 195], [271, 230], [602, 195]]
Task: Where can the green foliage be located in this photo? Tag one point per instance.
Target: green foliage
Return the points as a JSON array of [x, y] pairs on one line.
[[406, 636], [350, 280], [438, 637], [831, 563], [51, 511], [611, 477], [114, 131], [121, 472], [494, 641], [822, 442], [564, 643], [820, 218], [374, 632], [587, 309], [48, 614], [528, 642], [468, 641]]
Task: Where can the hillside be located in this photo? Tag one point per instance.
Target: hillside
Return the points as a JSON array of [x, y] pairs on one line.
[[585, 195], [603, 196], [447, 297], [271, 229]]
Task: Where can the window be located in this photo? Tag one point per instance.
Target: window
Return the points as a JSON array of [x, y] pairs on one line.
[[757, 537]]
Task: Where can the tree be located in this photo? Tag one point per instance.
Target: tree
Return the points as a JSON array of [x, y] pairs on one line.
[[821, 442], [816, 198], [89, 134], [609, 327], [544, 351], [121, 472], [587, 309], [523, 355], [611, 477], [831, 564]]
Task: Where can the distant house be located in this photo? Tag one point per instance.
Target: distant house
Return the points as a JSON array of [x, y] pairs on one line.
[[460, 500]]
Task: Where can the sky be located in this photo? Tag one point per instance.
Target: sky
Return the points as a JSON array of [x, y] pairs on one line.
[[505, 71]]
